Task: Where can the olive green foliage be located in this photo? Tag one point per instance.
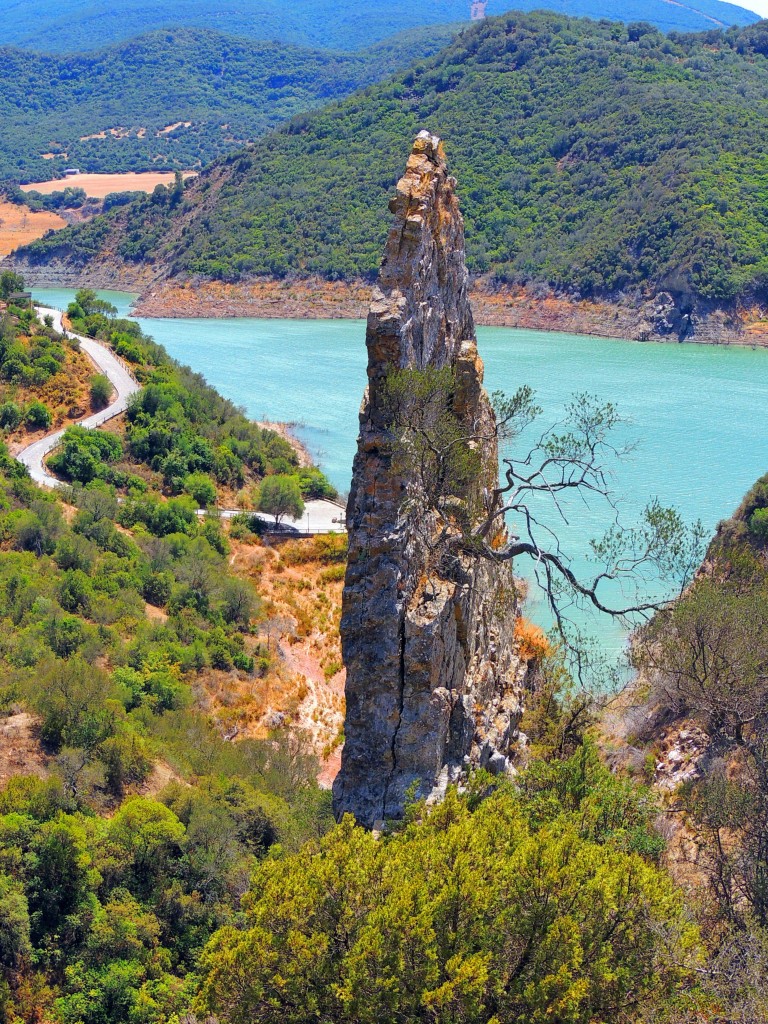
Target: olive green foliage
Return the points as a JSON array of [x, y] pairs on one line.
[[112, 912], [558, 714], [280, 496], [30, 355], [708, 660], [14, 924], [74, 596], [84, 454], [589, 156], [107, 914], [71, 25], [107, 897], [314, 484], [526, 905], [38, 416], [9, 283], [231, 91], [430, 444], [202, 489], [101, 391]]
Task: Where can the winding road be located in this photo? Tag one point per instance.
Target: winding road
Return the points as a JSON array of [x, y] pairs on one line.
[[33, 456], [318, 517]]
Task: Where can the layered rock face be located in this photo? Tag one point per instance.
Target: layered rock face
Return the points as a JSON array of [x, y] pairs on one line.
[[433, 683]]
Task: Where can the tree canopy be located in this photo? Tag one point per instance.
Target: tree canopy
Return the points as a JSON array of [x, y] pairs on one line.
[[520, 906], [590, 156], [102, 111], [73, 25]]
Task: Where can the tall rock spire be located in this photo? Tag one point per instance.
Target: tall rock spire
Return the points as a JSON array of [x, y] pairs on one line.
[[433, 683]]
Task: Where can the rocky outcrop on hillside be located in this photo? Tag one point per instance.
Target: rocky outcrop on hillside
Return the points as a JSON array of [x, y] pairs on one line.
[[433, 681]]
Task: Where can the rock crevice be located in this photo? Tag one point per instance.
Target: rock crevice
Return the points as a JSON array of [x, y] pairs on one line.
[[433, 682]]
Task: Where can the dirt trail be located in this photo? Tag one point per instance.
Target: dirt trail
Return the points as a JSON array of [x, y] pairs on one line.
[[20, 751]]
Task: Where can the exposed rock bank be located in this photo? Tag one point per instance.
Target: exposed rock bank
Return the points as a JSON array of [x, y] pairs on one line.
[[433, 681], [114, 277], [656, 317]]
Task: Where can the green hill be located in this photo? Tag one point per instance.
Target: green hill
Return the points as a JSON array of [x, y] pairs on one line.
[[84, 24], [219, 90], [590, 156]]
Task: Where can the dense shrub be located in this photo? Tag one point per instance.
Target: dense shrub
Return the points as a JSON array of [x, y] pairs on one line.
[[521, 906], [38, 416], [83, 454], [101, 391], [280, 496]]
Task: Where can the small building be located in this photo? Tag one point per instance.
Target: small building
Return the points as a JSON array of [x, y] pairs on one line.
[[20, 299], [477, 10], [70, 172]]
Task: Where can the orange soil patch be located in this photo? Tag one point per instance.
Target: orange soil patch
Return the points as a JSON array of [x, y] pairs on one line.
[[153, 613], [493, 306], [20, 750], [303, 688], [161, 776], [173, 127], [19, 226], [115, 133], [100, 185]]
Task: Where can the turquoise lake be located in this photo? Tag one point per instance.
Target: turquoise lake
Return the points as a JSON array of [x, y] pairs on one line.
[[695, 413]]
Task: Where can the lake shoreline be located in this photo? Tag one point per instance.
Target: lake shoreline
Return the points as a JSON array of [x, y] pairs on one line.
[[684, 408], [287, 432], [493, 306], [631, 318]]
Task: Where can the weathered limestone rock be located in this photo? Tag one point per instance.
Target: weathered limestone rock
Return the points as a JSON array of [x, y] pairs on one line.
[[433, 683]]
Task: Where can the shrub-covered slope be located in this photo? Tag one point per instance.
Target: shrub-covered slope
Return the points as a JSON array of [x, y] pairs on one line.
[[590, 156], [113, 110], [119, 621], [82, 24]]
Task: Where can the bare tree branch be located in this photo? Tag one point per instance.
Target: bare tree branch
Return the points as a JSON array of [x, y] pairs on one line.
[[443, 459]]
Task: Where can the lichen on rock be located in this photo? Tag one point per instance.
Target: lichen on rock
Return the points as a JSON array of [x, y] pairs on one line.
[[433, 681]]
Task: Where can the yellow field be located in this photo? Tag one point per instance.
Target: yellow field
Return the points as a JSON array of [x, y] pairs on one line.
[[18, 226], [100, 185]]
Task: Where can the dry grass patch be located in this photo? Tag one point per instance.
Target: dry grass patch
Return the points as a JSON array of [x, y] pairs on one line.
[[98, 186], [20, 749], [300, 583], [19, 226], [66, 393]]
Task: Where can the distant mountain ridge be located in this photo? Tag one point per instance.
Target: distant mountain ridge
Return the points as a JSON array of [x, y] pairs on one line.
[[173, 99], [593, 158], [86, 24]]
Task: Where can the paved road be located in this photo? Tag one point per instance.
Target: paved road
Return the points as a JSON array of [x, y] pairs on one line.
[[106, 361], [319, 517]]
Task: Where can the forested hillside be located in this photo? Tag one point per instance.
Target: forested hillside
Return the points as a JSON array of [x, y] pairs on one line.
[[128, 823], [84, 24], [172, 100], [590, 156]]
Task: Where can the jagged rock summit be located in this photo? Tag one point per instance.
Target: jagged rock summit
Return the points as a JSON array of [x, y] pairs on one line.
[[433, 682]]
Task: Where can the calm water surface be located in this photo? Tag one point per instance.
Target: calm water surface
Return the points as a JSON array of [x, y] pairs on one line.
[[696, 413]]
